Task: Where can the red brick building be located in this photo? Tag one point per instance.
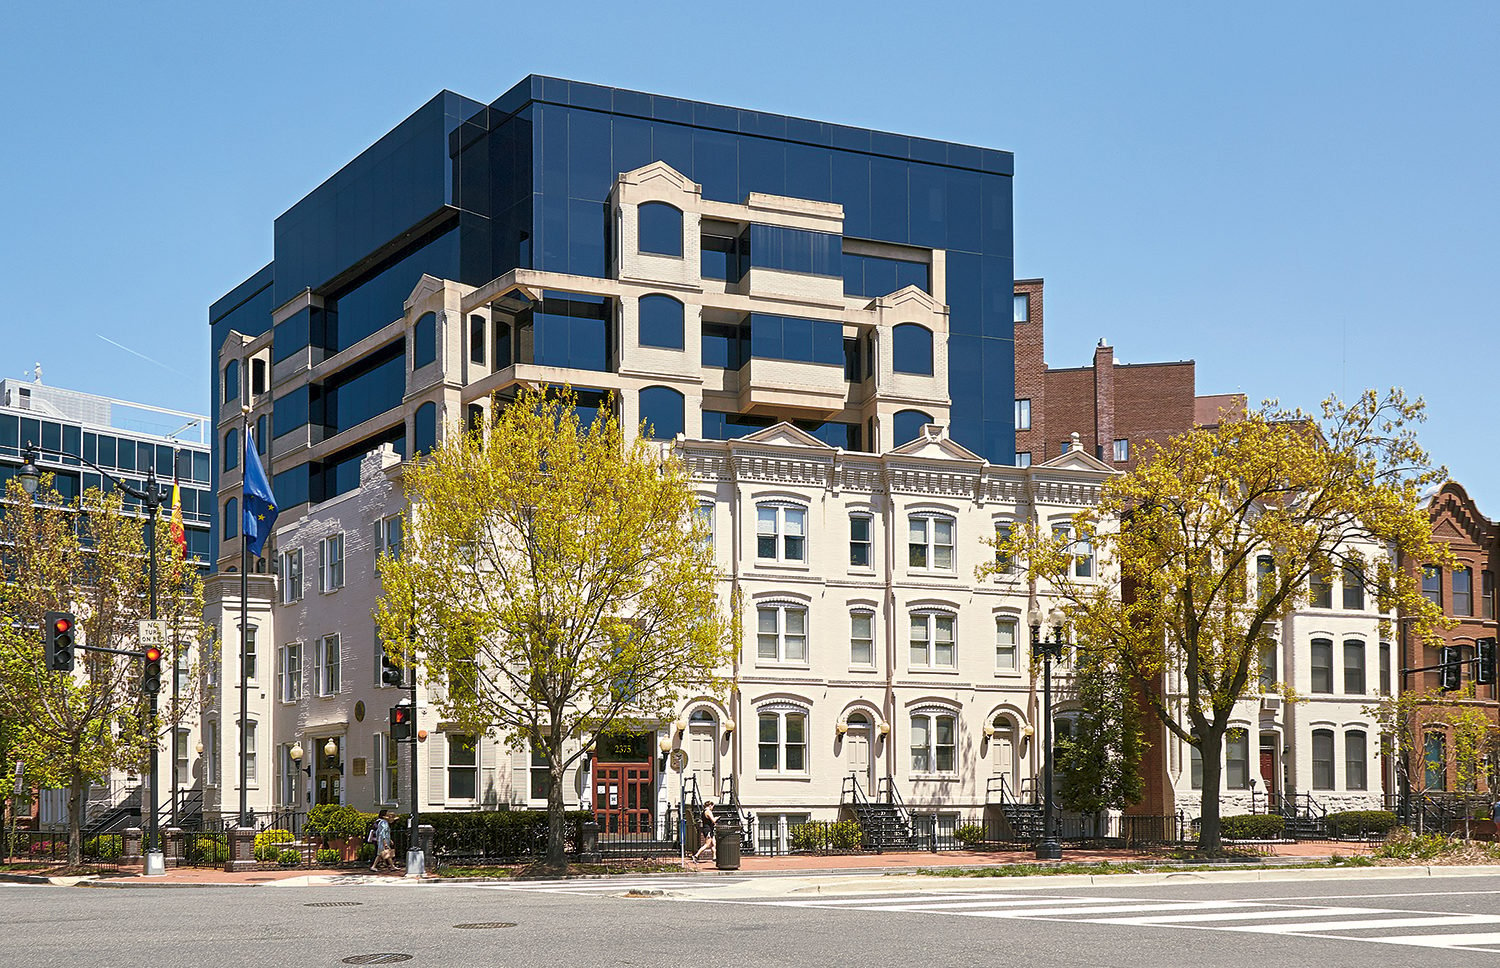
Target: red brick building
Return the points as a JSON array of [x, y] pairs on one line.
[[1117, 409], [1466, 593]]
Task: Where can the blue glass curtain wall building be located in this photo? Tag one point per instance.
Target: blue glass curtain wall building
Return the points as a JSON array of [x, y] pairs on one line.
[[467, 191]]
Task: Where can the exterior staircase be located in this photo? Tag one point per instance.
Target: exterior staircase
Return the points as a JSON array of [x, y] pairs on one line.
[[728, 808], [1305, 817], [884, 821], [1022, 814]]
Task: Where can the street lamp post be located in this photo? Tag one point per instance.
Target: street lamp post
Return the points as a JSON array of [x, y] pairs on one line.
[[150, 498], [1049, 848]]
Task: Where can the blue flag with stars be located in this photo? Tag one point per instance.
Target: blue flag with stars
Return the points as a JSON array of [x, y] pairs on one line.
[[259, 502]]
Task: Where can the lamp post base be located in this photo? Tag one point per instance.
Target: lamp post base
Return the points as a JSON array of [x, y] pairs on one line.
[[1049, 850], [156, 863], [415, 864]]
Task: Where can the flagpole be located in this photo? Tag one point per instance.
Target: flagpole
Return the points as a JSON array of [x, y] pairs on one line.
[[176, 661], [244, 624]]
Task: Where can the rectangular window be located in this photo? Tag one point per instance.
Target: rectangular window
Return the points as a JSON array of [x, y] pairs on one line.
[[1267, 666], [1354, 588], [1237, 759], [782, 742], [476, 339], [331, 563], [933, 743], [860, 546], [1023, 458], [387, 761], [211, 752], [1021, 307], [781, 533], [1023, 414], [1122, 451], [1435, 760], [288, 770], [251, 759], [1385, 668], [1355, 759], [250, 664], [1354, 668], [1081, 549], [781, 633], [289, 674], [291, 576], [328, 665], [1322, 759], [180, 762], [932, 643], [257, 376], [463, 768], [1463, 591], [703, 519], [1322, 666], [1432, 584], [862, 638], [1195, 758], [1487, 594], [541, 774], [1005, 644], [1004, 562], [1320, 586], [930, 542]]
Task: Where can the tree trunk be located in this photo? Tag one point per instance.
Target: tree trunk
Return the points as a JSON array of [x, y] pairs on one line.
[[75, 820], [1208, 822], [556, 844]]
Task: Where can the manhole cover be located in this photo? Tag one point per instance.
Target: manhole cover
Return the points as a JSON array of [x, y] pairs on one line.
[[383, 958], [333, 904], [488, 924]]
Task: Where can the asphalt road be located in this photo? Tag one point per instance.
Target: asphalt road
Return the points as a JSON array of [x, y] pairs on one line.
[[708, 922]]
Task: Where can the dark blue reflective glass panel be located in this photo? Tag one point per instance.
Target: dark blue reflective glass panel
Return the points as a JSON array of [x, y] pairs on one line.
[[424, 341], [774, 337], [370, 387], [232, 381], [379, 299], [661, 322], [660, 228], [908, 425], [911, 349], [291, 410], [795, 250], [231, 449], [424, 429], [868, 275], [725, 345], [728, 426], [722, 257], [662, 412], [291, 487], [566, 329]]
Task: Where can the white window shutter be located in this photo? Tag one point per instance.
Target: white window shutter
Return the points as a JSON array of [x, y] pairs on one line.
[[489, 754], [317, 683], [437, 768], [520, 775]]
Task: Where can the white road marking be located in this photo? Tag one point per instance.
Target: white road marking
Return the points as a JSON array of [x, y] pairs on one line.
[[1470, 942], [1264, 913], [1365, 924]]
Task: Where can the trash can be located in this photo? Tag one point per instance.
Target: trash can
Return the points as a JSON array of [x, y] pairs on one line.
[[727, 846]]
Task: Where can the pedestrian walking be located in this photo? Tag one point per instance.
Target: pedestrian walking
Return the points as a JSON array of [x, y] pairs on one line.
[[385, 850], [706, 831], [1495, 814]]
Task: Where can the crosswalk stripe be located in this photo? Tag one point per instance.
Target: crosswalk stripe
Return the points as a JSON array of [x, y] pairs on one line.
[[880, 902], [1262, 913], [1477, 942], [1365, 924], [1020, 907], [1063, 912]]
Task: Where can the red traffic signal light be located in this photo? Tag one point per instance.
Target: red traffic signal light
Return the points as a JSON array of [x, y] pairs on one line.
[[401, 722], [57, 637], [62, 625], [151, 672]]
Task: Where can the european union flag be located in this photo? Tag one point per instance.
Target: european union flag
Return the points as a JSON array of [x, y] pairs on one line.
[[259, 502]]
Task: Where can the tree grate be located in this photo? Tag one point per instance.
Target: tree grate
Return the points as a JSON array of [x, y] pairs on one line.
[[333, 904], [381, 958], [487, 924]]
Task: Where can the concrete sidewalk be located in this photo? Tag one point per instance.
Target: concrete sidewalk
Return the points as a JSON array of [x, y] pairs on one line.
[[874, 864]]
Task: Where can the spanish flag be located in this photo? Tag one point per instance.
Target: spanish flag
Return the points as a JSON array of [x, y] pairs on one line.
[[179, 536]]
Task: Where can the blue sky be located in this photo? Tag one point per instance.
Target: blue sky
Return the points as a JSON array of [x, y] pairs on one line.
[[1300, 197]]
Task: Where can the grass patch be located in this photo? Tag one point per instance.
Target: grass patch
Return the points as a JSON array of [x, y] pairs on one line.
[[1121, 867], [542, 871]]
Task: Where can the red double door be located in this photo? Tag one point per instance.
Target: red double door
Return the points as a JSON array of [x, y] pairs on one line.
[[623, 797]]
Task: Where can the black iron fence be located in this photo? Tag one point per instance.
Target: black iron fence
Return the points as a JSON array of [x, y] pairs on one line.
[[48, 850]]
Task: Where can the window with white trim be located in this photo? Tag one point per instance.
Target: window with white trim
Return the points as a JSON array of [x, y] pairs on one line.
[[1080, 548], [211, 752], [1023, 414], [930, 542], [252, 761], [703, 519], [289, 672], [327, 663], [862, 638], [288, 770], [782, 741], [860, 545], [291, 576], [781, 633], [388, 537], [1122, 450], [1005, 563], [251, 666], [934, 745], [1005, 644], [781, 532], [387, 768], [932, 644], [1355, 759], [331, 563], [463, 767]]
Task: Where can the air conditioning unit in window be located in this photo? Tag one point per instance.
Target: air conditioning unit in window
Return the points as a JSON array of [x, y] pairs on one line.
[[1270, 703]]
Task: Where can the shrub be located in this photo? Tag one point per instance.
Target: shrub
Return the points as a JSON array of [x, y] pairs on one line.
[[1349, 823], [1402, 844], [212, 849], [268, 843], [335, 820], [1253, 826], [288, 858], [328, 858], [816, 836], [495, 834], [969, 834], [367, 854], [104, 847]]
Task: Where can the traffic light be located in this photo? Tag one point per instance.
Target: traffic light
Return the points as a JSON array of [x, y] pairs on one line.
[[391, 673], [1484, 666], [1450, 675], [151, 671], [57, 634], [401, 722]]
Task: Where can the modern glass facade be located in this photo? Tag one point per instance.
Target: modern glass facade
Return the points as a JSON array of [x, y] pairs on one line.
[[466, 191]]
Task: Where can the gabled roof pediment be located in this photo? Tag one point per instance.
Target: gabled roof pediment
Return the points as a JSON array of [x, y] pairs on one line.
[[1077, 460], [784, 434], [933, 444], [660, 171], [426, 286]]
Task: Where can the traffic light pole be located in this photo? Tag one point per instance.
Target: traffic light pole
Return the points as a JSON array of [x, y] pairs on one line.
[[415, 866]]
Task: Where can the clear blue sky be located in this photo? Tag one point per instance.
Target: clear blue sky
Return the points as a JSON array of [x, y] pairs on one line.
[[1301, 197]]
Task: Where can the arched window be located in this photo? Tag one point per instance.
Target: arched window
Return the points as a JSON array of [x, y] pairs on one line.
[[911, 350], [660, 322], [232, 381], [424, 341], [934, 743], [1322, 665], [908, 425], [660, 228], [424, 429], [231, 449], [231, 525], [661, 413], [932, 642]]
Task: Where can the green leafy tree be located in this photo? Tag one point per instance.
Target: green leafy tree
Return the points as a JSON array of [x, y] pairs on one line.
[[87, 557], [1099, 765], [553, 584], [1280, 496]]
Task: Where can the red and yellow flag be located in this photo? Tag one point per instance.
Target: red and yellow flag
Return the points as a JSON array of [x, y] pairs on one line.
[[179, 536]]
